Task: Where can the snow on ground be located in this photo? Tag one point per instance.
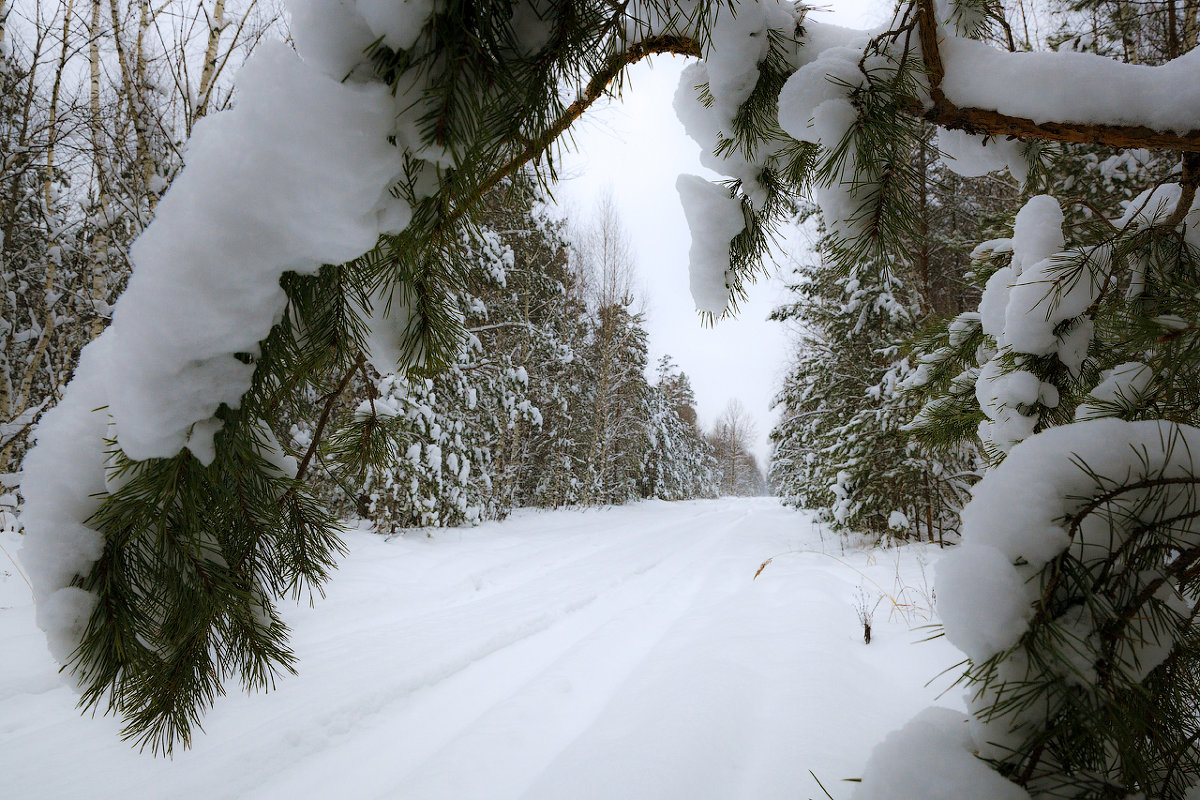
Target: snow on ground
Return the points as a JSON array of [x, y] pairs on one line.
[[569, 655]]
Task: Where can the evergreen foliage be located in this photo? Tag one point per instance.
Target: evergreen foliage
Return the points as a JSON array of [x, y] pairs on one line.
[[679, 463], [471, 442], [843, 444], [1091, 696]]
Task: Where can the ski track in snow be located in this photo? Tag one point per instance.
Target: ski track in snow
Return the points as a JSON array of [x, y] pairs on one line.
[[569, 655]]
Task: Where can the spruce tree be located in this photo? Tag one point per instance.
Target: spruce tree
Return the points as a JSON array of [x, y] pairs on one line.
[[679, 463]]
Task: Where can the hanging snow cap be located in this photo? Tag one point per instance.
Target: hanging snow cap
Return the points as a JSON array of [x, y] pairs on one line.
[[714, 219], [1037, 231]]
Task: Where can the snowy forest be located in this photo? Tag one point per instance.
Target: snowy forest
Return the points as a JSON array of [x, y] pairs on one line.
[[291, 307], [547, 399]]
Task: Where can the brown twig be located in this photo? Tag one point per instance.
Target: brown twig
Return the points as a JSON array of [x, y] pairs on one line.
[[654, 45], [1188, 179], [330, 400]]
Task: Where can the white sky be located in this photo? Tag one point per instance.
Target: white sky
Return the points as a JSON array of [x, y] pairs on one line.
[[637, 148]]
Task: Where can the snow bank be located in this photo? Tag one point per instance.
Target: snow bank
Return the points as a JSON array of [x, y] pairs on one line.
[[595, 654], [931, 758]]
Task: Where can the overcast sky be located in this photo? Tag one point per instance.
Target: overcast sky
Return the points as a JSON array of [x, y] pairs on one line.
[[637, 148]]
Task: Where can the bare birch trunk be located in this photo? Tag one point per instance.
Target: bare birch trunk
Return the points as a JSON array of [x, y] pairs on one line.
[[209, 72], [99, 248], [131, 90], [39, 352]]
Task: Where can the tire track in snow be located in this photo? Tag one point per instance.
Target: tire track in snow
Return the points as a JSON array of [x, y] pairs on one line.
[[373, 667], [512, 742], [625, 653]]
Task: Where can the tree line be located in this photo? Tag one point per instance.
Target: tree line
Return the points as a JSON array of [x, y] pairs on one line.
[[548, 403]]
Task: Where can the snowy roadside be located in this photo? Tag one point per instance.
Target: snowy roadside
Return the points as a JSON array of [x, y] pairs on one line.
[[629, 652]]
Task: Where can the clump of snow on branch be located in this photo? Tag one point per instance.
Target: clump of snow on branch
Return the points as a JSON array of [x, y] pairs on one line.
[[296, 175], [1120, 389], [1073, 87], [814, 105], [986, 591], [730, 71], [986, 588], [740, 41], [1013, 311], [397, 22], [974, 156], [331, 34], [714, 219], [309, 161], [1154, 206]]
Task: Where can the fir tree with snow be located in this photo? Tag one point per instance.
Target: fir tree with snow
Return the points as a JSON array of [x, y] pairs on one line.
[[679, 463]]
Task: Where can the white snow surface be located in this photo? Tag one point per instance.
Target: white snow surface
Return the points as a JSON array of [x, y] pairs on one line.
[[288, 180], [932, 758], [626, 652]]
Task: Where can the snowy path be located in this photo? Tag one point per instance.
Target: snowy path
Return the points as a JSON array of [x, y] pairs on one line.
[[624, 653]]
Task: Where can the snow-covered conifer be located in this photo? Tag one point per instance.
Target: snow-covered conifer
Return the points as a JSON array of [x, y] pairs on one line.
[[680, 463]]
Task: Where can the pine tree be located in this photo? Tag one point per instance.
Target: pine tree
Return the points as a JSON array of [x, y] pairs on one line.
[[1079, 681], [843, 445]]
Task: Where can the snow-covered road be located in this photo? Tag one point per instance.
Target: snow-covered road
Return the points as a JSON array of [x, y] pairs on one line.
[[622, 653]]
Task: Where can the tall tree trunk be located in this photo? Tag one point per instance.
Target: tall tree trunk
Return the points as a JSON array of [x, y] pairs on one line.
[[208, 74], [99, 244], [131, 90]]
